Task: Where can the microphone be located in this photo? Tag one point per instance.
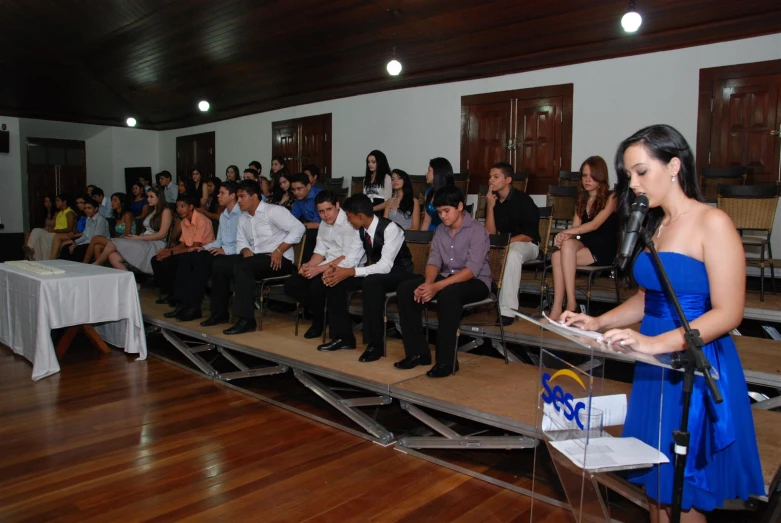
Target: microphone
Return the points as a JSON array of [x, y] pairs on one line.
[[632, 229]]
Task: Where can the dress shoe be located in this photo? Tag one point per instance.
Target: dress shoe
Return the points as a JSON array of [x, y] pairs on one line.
[[313, 332], [410, 362], [506, 320], [215, 320], [242, 326], [162, 300], [337, 344], [371, 353], [189, 314], [174, 313], [441, 371], [173, 302]]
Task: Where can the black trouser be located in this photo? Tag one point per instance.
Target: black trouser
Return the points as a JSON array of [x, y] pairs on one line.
[[78, 253], [374, 288], [165, 273], [222, 274], [450, 306], [310, 293], [192, 277], [245, 273]]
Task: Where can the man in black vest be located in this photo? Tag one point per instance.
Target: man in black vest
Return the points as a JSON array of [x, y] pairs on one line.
[[391, 263]]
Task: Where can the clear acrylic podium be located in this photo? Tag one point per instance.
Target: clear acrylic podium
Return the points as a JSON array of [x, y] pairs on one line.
[[579, 417]]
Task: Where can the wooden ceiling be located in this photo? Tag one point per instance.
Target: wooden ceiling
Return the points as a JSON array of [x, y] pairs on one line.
[[100, 61]]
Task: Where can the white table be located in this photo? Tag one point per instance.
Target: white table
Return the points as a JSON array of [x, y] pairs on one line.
[[31, 306]]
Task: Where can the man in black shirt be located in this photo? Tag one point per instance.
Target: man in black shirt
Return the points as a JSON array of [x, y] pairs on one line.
[[510, 211]]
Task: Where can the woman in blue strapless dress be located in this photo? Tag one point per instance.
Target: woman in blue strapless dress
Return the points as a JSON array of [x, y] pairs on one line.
[[698, 245]]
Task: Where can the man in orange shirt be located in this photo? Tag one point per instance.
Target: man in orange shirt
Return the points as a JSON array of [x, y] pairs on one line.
[[197, 231]]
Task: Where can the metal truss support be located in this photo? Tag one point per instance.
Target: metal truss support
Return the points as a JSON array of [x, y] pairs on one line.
[[472, 345], [497, 344], [348, 406], [246, 372], [453, 440], [192, 353]]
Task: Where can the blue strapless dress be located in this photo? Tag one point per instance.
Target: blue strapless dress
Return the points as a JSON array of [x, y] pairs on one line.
[[723, 461]]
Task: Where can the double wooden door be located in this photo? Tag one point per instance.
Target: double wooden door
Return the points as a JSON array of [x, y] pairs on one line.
[[530, 129], [54, 167], [743, 124], [195, 151], [304, 141]]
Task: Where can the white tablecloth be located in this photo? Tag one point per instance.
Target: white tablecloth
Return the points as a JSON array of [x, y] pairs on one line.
[[31, 306]]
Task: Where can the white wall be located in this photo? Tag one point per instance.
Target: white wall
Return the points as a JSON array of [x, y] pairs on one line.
[[11, 179], [109, 151], [612, 99]]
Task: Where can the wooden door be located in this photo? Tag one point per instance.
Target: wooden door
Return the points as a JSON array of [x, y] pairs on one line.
[[285, 136], [53, 167], [537, 143], [195, 151], [303, 141], [314, 133], [531, 129], [486, 134], [746, 120]]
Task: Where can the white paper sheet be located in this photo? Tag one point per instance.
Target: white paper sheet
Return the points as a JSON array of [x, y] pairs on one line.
[[609, 453]]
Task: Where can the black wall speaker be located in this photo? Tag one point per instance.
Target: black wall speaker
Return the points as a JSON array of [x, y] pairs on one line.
[[5, 142]]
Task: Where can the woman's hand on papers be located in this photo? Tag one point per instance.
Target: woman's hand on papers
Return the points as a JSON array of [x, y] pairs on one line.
[[579, 320]]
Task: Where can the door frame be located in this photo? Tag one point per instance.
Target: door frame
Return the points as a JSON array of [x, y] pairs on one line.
[[705, 101], [565, 91]]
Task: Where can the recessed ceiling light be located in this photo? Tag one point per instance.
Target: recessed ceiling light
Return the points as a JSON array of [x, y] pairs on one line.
[[394, 67], [131, 122], [203, 105], [631, 20]]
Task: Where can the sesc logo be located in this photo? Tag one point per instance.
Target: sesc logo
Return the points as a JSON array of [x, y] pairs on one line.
[[563, 402]]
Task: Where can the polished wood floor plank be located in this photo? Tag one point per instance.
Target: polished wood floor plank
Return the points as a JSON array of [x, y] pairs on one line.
[[114, 439]]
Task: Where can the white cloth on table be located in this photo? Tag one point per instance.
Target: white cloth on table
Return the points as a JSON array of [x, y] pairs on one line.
[[31, 306]]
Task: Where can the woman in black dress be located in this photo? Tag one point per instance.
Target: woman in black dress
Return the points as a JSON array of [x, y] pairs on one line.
[[593, 237]]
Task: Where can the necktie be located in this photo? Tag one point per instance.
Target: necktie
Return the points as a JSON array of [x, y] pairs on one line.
[[367, 245]]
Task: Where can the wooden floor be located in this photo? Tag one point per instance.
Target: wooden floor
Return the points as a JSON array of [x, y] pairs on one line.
[[112, 439]]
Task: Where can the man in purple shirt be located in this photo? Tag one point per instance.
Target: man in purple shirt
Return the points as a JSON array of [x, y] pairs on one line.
[[457, 273]]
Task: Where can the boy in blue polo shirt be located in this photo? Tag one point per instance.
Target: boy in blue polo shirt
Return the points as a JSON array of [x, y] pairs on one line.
[[304, 207]]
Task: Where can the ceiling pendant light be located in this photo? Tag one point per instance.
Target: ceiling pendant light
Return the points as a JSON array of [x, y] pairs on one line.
[[203, 105], [394, 66], [631, 20], [131, 122]]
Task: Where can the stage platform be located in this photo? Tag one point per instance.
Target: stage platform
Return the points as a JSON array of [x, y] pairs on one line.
[[486, 391]]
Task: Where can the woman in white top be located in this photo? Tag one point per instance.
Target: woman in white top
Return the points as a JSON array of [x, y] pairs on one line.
[[137, 251], [377, 184]]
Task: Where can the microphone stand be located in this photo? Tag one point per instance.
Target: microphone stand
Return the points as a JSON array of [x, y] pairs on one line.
[[690, 360]]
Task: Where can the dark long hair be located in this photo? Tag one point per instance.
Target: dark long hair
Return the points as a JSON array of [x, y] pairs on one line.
[[52, 212], [383, 169], [214, 205], [598, 168], [663, 143], [195, 189], [276, 191], [407, 203], [122, 197], [283, 171], [157, 218], [443, 175], [235, 171]]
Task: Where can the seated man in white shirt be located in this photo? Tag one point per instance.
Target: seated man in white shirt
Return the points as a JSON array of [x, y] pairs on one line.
[[383, 242], [75, 246], [338, 245], [264, 241], [195, 267]]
